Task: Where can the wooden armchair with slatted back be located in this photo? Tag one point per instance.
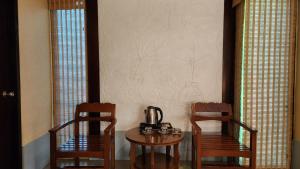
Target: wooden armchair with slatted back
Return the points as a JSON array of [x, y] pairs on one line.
[[97, 146], [222, 144]]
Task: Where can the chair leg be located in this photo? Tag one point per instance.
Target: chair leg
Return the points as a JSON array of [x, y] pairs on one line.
[[199, 152], [77, 161], [53, 161], [106, 163], [106, 157], [193, 153], [253, 138], [253, 162], [199, 161], [113, 156], [231, 160]]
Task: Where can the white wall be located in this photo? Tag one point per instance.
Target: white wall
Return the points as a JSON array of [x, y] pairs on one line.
[[35, 66], [166, 53]]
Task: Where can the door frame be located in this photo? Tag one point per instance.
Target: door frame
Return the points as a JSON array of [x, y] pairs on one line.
[[18, 89]]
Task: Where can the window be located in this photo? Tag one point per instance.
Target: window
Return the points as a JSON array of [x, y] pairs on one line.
[[266, 78], [68, 37]]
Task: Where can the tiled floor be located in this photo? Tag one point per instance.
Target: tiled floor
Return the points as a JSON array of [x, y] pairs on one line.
[[120, 164]]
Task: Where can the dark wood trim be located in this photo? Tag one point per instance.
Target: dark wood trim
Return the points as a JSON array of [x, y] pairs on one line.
[[228, 55], [10, 121], [92, 50], [93, 59], [18, 90]]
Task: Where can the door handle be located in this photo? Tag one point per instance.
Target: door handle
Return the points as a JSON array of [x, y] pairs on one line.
[[8, 94]]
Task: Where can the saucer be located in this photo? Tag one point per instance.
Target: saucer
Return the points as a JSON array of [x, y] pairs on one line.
[[147, 132], [161, 132]]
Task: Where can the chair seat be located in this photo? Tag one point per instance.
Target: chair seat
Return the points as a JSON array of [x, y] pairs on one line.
[[88, 146], [221, 145]]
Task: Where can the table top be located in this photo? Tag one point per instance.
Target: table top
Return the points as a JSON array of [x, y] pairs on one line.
[[155, 139]]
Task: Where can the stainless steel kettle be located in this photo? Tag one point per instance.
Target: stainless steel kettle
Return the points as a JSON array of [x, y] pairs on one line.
[[151, 115]]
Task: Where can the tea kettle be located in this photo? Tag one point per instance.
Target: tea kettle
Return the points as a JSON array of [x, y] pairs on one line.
[[151, 115]]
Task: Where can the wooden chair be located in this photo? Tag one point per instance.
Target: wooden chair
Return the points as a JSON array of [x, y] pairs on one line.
[[97, 146], [221, 144]]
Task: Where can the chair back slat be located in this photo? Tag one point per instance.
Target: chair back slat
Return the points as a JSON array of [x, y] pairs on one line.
[[94, 108], [105, 118], [223, 108]]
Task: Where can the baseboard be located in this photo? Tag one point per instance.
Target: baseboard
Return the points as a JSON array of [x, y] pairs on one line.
[[36, 154]]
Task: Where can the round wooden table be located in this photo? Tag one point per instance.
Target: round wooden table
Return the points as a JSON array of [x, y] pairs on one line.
[[153, 160]]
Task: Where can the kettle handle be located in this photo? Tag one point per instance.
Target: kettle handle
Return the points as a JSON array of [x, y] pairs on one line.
[[161, 114]]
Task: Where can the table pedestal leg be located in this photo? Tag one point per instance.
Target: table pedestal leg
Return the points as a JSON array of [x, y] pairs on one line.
[[168, 149], [152, 158], [176, 155], [144, 153], [132, 155]]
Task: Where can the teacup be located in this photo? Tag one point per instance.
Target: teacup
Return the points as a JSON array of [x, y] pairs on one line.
[[164, 130], [176, 131], [148, 130]]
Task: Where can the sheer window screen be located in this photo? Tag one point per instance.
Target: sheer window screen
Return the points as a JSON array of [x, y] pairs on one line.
[[267, 71], [68, 39]]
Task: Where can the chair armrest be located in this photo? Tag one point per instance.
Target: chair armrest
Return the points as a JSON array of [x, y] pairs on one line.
[[108, 129], [107, 137], [59, 127], [244, 126], [253, 134], [196, 127], [52, 132]]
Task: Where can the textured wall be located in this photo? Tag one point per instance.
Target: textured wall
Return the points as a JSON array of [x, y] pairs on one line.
[[166, 53], [35, 65]]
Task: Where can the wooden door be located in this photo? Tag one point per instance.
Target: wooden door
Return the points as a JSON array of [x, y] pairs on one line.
[[10, 133]]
